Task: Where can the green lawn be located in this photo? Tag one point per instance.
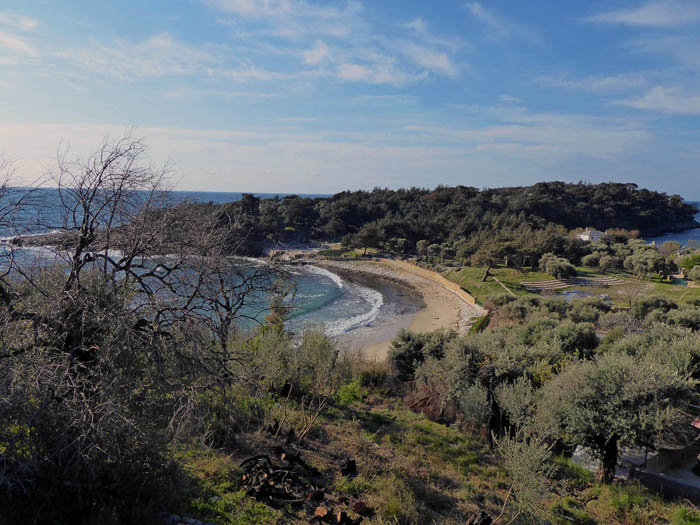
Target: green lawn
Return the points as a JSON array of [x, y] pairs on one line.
[[469, 278]]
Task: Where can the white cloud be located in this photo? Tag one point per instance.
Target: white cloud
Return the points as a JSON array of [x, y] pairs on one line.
[[596, 84], [500, 27], [20, 22], [376, 73], [220, 93], [508, 99], [282, 8], [339, 42], [435, 61], [657, 13], [16, 44], [683, 50], [665, 100], [247, 74], [543, 138], [316, 54], [157, 56]]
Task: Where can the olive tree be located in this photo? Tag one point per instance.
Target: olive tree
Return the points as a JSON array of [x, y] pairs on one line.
[[618, 400], [556, 266], [694, 273]]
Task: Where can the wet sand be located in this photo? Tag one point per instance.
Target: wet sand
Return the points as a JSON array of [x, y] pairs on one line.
[[441, 308]]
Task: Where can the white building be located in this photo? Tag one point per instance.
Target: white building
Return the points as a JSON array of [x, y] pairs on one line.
[[591, 235]]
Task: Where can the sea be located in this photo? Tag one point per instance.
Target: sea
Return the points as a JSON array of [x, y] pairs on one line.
[[690, 238], [321, 297]]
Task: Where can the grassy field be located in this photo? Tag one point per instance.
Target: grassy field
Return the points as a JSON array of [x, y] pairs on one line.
[[410, 470], [469, 278]]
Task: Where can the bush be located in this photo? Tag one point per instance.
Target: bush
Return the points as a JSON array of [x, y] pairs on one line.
[[642, 307], [609, 262], [350, 393], [694, 273], [556, 266], [395, 501], [591, 260], [408, 350]]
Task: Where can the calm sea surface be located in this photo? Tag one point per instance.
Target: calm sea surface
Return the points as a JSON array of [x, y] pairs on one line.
[[686, 238]]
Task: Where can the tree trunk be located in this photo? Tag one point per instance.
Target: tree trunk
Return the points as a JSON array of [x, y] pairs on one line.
[[486, 273], [606, 470]]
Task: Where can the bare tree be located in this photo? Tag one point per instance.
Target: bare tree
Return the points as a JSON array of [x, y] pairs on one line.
[[631, 292], [99, 349]]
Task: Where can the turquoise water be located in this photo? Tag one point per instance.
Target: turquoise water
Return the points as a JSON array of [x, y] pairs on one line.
[[321, 297]]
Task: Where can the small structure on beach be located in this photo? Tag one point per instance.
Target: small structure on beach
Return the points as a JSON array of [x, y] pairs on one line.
[[591, 235]]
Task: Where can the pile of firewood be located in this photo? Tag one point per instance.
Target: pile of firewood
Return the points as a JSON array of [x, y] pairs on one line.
[[286, 479], [279, 484]]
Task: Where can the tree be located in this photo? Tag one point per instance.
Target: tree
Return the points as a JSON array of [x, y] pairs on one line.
[[369, 236], [97, 349], [618, 400], [644, 262], [591, 260], [669, 248], [556, 266], [694, 273], [631, 292]]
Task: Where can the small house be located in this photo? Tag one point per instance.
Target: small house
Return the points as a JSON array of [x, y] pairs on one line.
[[591, 235]]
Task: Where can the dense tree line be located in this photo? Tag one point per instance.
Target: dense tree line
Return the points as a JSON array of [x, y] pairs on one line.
[[460, 218]]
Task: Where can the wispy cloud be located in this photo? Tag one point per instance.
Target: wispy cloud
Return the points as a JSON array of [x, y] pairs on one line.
[[596, 84], [544, 138], [499, 27], [340, 42], [317, 54], [220, 93], [656, 14], [683, 50], [19, 22], [433, 60], [375, 73], [16, 44], [665, 100], [157, 56]]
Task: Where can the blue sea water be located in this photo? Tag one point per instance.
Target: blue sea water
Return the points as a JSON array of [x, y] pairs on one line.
[[321, 297], [689, 238]]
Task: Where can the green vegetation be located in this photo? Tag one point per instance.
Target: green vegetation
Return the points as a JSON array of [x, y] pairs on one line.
[[130, 388], [520, 224]]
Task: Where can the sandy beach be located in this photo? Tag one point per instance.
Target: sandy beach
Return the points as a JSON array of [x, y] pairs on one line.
[[440, 309]]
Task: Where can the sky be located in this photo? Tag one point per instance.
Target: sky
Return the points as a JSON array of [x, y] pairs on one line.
[[314, 96]]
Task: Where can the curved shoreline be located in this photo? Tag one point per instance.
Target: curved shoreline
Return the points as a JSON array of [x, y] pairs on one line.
[[442, 308]]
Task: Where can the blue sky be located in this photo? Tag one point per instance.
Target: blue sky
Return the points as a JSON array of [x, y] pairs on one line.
[[316, 97]]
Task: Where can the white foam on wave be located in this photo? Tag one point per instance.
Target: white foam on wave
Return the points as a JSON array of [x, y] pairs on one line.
[[373, 298], [322, 271], [21, 236]]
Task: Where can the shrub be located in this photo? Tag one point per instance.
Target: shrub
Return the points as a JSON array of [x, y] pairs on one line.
[[349, 393], [609, 262], [395, 501], [694, 273], [409, 350], [591, 260], [642, 307], [556, 266]]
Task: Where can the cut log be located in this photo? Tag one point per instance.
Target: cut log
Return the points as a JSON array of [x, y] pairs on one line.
[[348, 467]]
